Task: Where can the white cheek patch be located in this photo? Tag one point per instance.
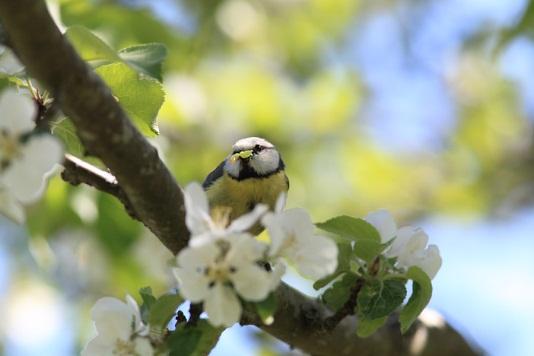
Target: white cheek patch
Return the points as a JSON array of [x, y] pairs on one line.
[[265, 162], [232, 167]]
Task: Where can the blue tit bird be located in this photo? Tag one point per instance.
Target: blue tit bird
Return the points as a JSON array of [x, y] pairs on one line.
[[252, 174]]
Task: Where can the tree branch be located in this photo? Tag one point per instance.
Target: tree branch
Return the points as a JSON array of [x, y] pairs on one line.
[[101, 124], [299, 321], [106, 132], [348, 309]]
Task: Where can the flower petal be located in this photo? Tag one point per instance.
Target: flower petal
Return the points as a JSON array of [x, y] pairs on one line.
[[26, 177], [404, 234], [298, 220], [10, 207], [280, 202], [203, 238], [413, 249], [113, 319], [139, 327], [193, 285], [143, 347], [431, 261], [244, 222], [197, 216], [383, 221], [245, 249], [18, 112], [293, 223], [98, 346], [317, 257], [278, 269], [277, 234], [196, 197], [417, 242], [252, 282], [9, 64], [191, 258], [222, 306]]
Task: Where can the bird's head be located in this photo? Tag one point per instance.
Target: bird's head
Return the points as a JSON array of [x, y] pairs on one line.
[[253, 157]]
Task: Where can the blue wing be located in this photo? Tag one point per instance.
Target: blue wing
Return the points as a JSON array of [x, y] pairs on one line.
[[213, 176]]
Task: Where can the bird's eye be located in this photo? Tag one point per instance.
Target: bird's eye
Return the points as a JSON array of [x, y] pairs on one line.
[[258, 148]]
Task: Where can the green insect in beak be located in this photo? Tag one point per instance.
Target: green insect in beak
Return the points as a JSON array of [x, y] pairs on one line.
[[243, 154]]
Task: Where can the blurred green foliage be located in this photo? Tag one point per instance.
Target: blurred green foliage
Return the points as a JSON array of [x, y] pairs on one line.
[[247, 67]]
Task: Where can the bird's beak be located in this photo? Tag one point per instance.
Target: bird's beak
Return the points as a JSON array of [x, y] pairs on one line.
[[243, 155]]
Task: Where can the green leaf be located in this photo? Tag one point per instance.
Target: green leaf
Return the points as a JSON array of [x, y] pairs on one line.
[[379, 299], [338, 294], [140, 96], [194, 341], [90, 47], [266, 309], [324, 281], [208, 340], [367, 327], [146, 58], [523, 27], [421, 294], [65, 130], [343, 256], [184, 341], [343, 265], [367, 249], [350, 228], [4, 82], [148, 301], [147, 296], [164, 309]]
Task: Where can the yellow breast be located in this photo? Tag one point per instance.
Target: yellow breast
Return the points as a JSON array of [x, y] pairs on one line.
[[241, 196]]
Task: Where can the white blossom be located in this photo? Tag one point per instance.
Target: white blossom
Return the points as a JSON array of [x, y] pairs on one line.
[[383, 221], [120, 330], [409, 245], [203, 227], [218, 271], [278, 269], [9, 64], [25, 161], [10, 207], [293, 237]]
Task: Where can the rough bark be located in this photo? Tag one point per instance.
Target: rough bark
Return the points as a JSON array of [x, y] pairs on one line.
[[300, 322], [147, 188]]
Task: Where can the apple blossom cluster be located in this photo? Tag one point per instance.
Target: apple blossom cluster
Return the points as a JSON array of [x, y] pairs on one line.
[[120, 330], [376, 261], [408, 244], [26, 158], [224, 263], [225, 268]]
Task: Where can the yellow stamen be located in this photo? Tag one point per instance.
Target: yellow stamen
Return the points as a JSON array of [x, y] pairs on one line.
[[10, 147], [221, 215]]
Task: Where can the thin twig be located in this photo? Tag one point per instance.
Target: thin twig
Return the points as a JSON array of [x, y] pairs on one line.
[[77, 171], [347, 309], [195, 309]]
